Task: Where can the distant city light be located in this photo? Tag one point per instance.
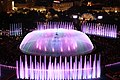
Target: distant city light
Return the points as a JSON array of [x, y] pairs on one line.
[[13, 4], [56, 1], [100, 17], [80, 18], [89, 4], [116, 11], [75, 16]]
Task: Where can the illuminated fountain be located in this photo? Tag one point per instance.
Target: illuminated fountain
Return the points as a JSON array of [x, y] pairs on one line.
[[56, 42], [55, 25], [59, 54], [16, 29], [105, 30], [74, 68]]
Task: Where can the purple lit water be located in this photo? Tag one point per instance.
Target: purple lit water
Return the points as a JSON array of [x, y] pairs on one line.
[[62, 69], [105, 30], [55, 25]]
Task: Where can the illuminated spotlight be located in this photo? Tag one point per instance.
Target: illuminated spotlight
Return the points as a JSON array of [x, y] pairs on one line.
[[56, 42], [100, 17], [13, 5], [56, 1], [75, 16], [116, 11], [80, 18]]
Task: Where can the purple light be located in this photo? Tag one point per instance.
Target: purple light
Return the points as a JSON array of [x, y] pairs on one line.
[[61, 49], [108, 65], [55, 25], [45, 48], [17, 71], [53, 50], [68, 48], [59, 70]]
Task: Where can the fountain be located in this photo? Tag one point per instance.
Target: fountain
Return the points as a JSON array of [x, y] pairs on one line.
[[104, 30], [72, 69], [56, 42], [55, 25], [15, 29], [59, 53]]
